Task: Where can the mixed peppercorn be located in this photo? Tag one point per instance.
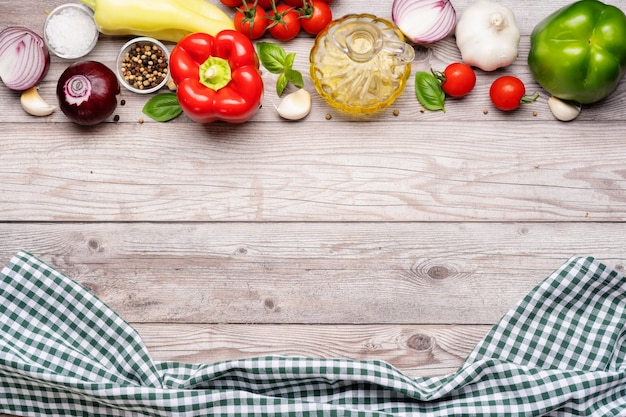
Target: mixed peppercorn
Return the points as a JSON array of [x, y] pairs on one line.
[[144, 66]]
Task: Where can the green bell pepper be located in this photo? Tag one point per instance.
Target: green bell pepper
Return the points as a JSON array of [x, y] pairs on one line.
[[578, 53]]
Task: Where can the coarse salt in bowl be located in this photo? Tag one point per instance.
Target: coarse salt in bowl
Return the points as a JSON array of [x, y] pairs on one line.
[[148, 75], [70, 31]]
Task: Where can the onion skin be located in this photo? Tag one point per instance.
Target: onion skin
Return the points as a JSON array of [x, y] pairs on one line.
[[87, 92], [24, 58]]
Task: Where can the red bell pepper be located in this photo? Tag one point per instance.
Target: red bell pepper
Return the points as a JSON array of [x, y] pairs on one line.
[[217, 77]]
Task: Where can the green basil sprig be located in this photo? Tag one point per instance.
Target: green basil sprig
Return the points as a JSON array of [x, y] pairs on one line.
[[429, 92], [163, 107], [277, 61]]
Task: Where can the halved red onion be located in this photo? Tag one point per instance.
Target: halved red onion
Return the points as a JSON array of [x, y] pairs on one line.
[[24, 58], [424, 21]]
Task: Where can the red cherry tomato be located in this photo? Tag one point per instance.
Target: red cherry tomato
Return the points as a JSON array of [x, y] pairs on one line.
[[265, 4], [232, 3], [251, 20], [508, 93], [458, 80], [300, 4], [315, 16], [284, 23]]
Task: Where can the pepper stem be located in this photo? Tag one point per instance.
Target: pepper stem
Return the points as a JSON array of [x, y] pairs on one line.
[[215, 73]]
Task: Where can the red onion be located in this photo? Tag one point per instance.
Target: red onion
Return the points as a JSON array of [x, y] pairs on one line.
[[424, 21], [87, 92], [24, 58]]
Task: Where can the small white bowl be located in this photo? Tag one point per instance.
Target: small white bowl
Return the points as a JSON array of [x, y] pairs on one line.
[[70, 31], [119, 70]]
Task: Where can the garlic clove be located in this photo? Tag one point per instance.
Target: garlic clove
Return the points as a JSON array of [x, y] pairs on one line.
[[295, 106], [33, 104], [564, 110], [171, 85]]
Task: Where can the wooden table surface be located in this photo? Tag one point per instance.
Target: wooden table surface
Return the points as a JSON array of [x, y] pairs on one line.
[[399, 237]]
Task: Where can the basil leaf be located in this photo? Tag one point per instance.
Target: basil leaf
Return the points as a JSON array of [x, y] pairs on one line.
[[277, 61], [429, 92], [294, 77], [281, 84], [289, 60], [163, 107], [272, 56]]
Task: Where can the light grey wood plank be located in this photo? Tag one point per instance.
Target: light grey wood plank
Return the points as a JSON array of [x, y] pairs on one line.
[[313, 273], [415, 350], [444, 171]]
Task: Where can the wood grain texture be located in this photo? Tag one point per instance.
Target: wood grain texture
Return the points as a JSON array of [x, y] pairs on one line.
[[401, 237], [417, 350], [444, 172], [313, 273]]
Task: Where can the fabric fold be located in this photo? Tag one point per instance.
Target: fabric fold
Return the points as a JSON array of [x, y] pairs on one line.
[[559, 352]]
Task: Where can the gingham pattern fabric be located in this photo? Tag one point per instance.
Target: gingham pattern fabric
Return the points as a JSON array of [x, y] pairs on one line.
[[561, 351]]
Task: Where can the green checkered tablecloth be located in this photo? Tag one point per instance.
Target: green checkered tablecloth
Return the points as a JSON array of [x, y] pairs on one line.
[[561, 351]]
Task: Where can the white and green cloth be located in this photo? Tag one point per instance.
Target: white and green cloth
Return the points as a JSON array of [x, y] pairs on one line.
[[561, 351]]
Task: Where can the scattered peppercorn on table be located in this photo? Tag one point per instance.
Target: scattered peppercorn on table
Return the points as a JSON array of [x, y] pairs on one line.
[[400, 236]]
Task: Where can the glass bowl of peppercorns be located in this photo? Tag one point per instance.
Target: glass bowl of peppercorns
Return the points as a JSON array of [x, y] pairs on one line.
[[143, 65]]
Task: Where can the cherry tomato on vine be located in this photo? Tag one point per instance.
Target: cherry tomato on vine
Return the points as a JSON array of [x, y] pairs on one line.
[[284, 22], [232, 3], [294, 3], [251, 20], [508, 93], [315, 16], [458, 79]]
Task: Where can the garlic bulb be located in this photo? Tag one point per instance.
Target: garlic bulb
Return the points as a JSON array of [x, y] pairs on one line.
[[487, 35]]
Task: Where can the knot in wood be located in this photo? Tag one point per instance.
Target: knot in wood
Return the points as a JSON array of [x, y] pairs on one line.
[[94, 245], [438, 272], [271, 305], [420, 342]]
